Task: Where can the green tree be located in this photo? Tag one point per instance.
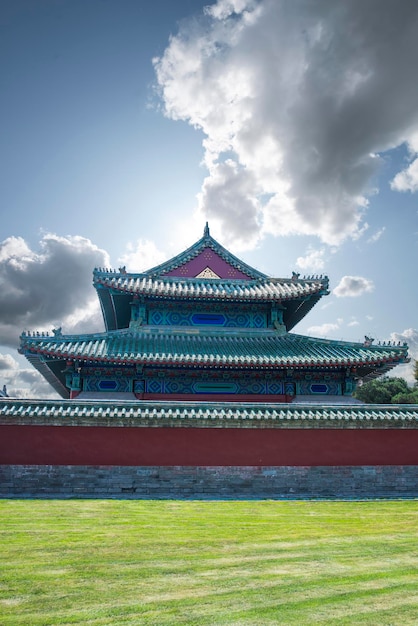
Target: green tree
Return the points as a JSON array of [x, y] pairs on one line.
[[406, 398], [412, 396], [381, 390]]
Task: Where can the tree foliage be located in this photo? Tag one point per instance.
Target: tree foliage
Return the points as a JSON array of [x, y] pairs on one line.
[[382, 390], [406, 398], [388, 390], [412, 396]]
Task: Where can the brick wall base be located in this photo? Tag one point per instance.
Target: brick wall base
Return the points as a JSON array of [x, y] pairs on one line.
[[75, 481]]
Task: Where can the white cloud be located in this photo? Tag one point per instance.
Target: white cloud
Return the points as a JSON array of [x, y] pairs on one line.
[[324, 329], [141, 255], [221, 10], [353, 323], [40, 290], [313, 261], [50, 287], [296, 100], [353, 286], [410, 336], [14, 248], [376, 236], [22, 381], [229, 192], [407, 180], [7, 363]]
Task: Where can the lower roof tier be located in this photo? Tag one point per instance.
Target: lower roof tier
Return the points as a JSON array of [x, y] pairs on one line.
[[221, 349]]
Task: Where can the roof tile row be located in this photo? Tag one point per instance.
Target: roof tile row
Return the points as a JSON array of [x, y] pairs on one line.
[[255, 290], [214, 411], [266, 349]]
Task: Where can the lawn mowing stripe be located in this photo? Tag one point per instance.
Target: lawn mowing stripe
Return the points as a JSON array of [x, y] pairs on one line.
[[138, 562]]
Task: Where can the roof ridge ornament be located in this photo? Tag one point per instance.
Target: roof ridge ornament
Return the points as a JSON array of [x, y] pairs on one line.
[[206, 232]]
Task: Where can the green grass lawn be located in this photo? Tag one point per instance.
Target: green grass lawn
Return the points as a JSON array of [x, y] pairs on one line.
[[208, 563]]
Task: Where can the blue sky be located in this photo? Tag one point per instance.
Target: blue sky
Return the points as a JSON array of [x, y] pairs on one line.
[[292, 127]]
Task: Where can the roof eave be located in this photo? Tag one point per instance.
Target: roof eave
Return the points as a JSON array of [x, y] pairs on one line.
[[377, 368], [42, 366]]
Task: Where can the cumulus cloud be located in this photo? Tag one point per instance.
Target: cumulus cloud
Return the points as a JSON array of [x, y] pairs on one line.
[[229, 195], [313, 261], [23, 381], [7, 363], [49, 287], [141, 255], [353, 286], [296, 101], [410, 336], [407, 180], [324, 329]]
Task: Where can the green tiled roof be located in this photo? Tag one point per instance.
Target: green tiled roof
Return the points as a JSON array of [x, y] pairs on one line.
[[116, 289], [215, 349], [215, 414], [261, 290]]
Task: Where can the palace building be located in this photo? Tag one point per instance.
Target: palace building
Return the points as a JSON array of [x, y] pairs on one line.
[[205, 326], [199, 388]]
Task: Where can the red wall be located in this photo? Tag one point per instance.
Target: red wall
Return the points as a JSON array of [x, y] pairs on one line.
[[75, 445]]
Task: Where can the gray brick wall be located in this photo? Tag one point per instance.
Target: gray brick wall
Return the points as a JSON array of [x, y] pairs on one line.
[[70, 481]]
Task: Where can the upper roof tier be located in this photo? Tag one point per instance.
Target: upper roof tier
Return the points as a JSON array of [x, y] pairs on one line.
[[205, 272], [261, 290]]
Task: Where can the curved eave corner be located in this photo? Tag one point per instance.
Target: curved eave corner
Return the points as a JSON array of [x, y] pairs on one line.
[[107, 306], [384, 368], [41, 365], [300, 308]]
